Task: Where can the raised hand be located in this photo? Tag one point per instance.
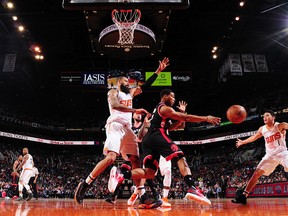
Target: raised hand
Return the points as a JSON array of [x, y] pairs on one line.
[[182, 106], [163, 64]]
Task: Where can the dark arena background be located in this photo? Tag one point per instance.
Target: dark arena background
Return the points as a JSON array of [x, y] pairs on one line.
[[58, 59]]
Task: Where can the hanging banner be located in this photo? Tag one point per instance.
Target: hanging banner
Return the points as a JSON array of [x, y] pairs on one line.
[[261, 64], [235, 65], [216, 139], [248, 63], [47, 141], [9, 63]]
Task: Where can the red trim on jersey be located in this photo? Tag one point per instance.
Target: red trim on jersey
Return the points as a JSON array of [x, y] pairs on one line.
[[164, 135], [149, 157], [173, 155], [158, 110]]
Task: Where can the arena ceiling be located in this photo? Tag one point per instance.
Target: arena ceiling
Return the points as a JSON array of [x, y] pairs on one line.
[[188, 38]]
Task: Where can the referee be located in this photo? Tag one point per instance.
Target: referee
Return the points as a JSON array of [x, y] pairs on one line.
[[33, 181]]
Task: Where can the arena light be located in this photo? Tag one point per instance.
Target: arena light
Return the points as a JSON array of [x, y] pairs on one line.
[[241, 4], [37, 49], [213, 51], [39, 57], [214, 56], [15, 18], [215, 48], [10, 5], [237, 18], [21, 28]]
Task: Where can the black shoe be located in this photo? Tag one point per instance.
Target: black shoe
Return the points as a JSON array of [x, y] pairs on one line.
[[149, 202], [242, 199], [111, 198], [80, 192], [29, 197]]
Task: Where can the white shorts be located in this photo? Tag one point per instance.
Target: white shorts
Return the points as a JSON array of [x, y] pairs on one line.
[[270, 162], [163, 165], [121, 140], [25, 176]]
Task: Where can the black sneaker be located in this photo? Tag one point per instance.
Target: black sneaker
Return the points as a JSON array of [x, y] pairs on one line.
[[29, 197], [111, 198], [80, 192], [149, 202], [242, 199]]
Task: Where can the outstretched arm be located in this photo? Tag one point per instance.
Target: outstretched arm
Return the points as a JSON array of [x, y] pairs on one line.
[[169, 112], [250, 139], [138, 90]]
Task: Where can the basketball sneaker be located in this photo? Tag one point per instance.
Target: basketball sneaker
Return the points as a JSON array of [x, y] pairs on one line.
[[132, 199], [111, 198], [197, 196], [115, 178], [147, 202], [80, 192], [241, 199], [165, 202], [29, 197]]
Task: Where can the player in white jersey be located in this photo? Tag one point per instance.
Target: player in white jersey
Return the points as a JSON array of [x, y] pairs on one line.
[[120, 137], [274, 134], [26, 173]]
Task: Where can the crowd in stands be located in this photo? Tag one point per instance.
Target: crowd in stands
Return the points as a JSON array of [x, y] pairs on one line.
[[214, 168], [275, 100]]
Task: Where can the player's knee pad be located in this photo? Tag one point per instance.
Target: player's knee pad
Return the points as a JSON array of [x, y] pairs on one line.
[[150, 162], [126, 171]]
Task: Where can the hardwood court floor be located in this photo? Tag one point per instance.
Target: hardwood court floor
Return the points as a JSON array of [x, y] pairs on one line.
[[223, 207]]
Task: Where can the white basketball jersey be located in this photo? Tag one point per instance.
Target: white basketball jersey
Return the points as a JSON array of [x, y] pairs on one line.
[[29, 163], [118, 116], [274, 139]]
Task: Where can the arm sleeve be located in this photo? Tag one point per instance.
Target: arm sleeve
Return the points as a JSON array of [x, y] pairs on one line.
[[149, 81]]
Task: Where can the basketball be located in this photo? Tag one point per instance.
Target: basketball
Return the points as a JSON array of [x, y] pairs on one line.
[[236, 114]]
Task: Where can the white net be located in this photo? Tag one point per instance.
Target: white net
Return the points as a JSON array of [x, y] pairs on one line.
[[126, 22]]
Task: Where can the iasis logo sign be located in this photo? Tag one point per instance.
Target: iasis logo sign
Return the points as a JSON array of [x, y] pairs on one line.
[[94, 79]]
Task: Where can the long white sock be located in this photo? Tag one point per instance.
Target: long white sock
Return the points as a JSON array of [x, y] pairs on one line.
[[20, 189], [165, 192], [139, 190]]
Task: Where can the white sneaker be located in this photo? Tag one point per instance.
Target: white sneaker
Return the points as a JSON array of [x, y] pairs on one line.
[[115, 178], [165, 203], [198, 197]]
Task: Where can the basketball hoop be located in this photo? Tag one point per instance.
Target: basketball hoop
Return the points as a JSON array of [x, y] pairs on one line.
[[126, 22]]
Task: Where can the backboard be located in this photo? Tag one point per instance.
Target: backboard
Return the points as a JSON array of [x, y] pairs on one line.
[[112, 4]]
